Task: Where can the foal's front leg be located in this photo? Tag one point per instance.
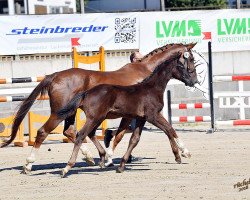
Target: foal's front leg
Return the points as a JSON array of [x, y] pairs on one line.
[[99, 147], [82, 134], [70, 133], [134, 139]]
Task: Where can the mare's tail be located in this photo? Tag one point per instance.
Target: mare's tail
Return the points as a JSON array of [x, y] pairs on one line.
[[71, 107], [25, 106]]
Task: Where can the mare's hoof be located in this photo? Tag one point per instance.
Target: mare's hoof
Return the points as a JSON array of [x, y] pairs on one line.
[[101, 165], [119, 170], [26, 170], [90, 161], [107, 137]]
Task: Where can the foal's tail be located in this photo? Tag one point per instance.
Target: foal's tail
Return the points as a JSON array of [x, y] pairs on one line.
[[25, 106], [71, 107]]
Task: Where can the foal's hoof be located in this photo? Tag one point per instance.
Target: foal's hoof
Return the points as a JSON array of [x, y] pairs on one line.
[[26, 170], [101, 165], [119, 170]]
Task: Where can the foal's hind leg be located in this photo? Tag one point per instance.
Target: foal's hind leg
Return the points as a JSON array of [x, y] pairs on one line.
[[134, 139], [118, 137], [42, 133], [88, 128], [70, 133], [160, 122]]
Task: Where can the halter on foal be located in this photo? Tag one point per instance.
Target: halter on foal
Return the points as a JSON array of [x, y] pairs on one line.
[[142, 101]]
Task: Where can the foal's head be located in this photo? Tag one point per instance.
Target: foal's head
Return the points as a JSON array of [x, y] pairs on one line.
[[185, 70]]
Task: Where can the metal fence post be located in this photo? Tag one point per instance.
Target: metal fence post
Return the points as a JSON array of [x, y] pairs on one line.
[[211, 92], [169, 107]]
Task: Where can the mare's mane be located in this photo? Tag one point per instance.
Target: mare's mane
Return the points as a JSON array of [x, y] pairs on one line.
[[152, 53]]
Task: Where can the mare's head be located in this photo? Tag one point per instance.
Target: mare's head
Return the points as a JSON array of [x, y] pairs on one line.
[[185, 69]]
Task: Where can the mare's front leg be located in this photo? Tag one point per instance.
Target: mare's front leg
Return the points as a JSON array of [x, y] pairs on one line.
[[159, 121], [89, 127], [119, 133], [134, 139]]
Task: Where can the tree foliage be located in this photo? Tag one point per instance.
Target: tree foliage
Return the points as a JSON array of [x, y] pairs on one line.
[[194, 3], [78, 5], [179, 3]]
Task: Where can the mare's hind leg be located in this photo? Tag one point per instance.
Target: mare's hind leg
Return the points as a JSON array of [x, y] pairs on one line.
[[134, 139], [160, 122], [118, 137], [70, 133], [87, 129], [69, 130], [42, 133]]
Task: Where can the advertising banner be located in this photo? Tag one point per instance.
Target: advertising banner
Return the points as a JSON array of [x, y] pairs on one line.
[[229, 30], [54, 33]]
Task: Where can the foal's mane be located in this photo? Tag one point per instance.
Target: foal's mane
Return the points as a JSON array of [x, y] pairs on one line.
[[158, 68], [163, 48]]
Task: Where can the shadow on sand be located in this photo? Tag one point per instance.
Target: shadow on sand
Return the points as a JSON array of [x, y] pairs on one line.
[[82, 167]]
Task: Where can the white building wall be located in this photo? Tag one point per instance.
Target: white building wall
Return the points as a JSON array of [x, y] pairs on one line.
[[48, 3]]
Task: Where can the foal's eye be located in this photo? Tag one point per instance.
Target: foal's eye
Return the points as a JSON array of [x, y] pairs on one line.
[[186, 55]]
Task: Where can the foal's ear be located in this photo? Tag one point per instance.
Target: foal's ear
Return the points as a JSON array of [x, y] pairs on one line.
[[191, 45], [179, 53]]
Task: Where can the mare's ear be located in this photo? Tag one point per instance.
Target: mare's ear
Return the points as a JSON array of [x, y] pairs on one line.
[[191, 45]]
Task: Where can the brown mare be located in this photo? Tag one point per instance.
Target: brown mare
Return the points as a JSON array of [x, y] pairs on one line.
[[143, 101], [63, 86]]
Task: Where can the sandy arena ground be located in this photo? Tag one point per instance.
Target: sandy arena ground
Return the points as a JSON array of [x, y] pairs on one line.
[[218, 162]]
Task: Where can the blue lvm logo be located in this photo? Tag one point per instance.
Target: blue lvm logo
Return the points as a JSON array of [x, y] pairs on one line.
[[57, 29]]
